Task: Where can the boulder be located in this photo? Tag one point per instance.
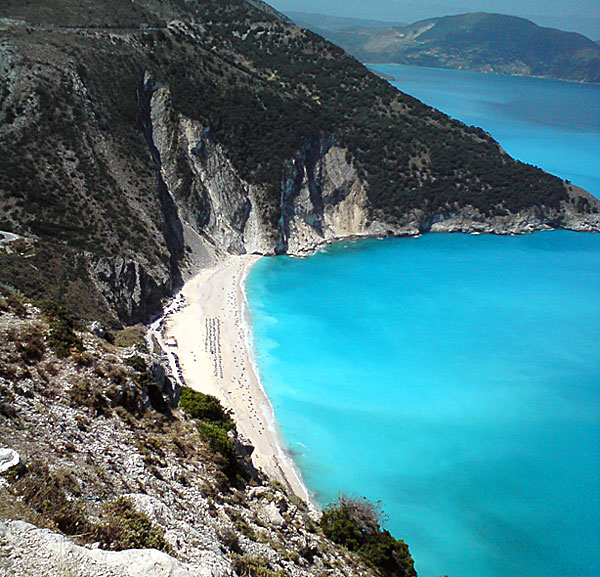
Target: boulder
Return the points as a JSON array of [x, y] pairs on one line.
[[97, 329], [8, 459]]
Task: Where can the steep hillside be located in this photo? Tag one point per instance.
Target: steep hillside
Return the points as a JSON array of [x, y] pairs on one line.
[[482, 42], [110, 452], [139, 140]]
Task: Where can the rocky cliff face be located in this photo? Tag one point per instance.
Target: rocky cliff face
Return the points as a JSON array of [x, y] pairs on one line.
[[323, 198], [131, 290]]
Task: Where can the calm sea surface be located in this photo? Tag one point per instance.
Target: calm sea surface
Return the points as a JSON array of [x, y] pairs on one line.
[[455, 378]]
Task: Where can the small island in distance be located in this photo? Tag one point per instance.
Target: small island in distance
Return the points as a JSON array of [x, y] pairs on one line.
[[481, 42]]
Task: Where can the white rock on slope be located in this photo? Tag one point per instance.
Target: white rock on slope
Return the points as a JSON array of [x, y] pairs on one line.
[[26, 550], [8, 459]]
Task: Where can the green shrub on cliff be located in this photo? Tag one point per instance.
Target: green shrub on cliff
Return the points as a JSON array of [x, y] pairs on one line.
[[205, 408], [355, 523], [127, 528], [62, 338], [215, 425]]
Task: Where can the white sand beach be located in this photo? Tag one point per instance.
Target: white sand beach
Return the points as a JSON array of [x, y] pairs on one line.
[[210, 328]]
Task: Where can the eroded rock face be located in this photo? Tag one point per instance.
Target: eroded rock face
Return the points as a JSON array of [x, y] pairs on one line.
[[322, 197], [323, 200], [129, 288], [212, 200]]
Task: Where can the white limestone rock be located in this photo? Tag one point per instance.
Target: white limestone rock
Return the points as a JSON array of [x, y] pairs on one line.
[[8, 459]]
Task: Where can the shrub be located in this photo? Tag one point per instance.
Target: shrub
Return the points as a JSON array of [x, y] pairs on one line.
[[205, 408], [215, 424], [127, 528], [83, 393], [54, 496], [6, 398], [10, 299], [247, 566], [220, 442], [229, 538], [30, 343], [131, 336], [355, 523], [62, 338], [137, 364]]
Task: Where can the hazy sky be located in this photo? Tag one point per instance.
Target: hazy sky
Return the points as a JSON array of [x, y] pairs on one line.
[[581, 14]]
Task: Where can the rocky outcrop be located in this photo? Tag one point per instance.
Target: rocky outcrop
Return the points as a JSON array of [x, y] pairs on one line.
[[216, 205], [27, 551], [571, 216], [322, 197], [8, 459], [172, 226], [129, 288]]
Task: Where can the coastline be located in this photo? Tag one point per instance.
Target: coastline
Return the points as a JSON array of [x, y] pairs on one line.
[[207, 336]]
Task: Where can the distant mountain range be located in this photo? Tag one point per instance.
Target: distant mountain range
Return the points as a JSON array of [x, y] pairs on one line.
[[479, 41], [335, 23]]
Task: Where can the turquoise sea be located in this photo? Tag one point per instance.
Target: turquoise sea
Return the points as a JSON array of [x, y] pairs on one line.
[[455, 378]]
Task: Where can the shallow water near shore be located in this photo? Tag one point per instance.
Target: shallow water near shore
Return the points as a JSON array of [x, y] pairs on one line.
[[456, 378]]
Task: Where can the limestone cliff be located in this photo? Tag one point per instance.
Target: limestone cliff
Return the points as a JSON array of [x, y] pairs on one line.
[[323, 198]]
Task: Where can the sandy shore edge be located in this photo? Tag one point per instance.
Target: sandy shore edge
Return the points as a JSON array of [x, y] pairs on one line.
[[206, 332]]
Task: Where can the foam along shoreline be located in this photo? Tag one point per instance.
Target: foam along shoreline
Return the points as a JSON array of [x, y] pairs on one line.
[[206, 336]]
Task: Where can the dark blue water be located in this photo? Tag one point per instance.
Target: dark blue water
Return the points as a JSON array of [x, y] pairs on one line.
[[455, 378]]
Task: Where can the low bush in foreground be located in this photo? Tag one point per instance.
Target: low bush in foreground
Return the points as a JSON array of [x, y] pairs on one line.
[[355, 523], [128, 528], [48, 498], [247, 566]]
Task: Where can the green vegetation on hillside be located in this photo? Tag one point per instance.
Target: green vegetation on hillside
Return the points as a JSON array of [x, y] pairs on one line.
[[215, 425], [123, 527], [268, 106], [355, 523]]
